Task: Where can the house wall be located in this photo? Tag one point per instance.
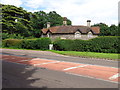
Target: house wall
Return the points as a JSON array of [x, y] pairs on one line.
[[70, 36]]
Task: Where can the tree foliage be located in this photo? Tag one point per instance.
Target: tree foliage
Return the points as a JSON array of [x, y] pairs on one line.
[[106, 30], [40, 19], [12, 13], [28, 23]]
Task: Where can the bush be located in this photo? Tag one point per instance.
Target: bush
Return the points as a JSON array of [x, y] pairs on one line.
[[107, 44], [14, 43], [41, 43]]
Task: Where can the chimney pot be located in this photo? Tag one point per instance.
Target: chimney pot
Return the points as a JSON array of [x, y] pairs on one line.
[[88, 23]]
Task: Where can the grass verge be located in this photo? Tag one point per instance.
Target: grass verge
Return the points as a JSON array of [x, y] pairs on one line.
[[112, 56], [89, 54]]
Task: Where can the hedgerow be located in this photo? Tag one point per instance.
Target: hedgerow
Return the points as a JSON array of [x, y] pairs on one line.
[[104, 44], [41, 43]]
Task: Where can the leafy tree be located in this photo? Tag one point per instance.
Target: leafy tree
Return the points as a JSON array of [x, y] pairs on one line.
[[105, 30], [113, 30], [14, 18], [55, 19], [39, 21]]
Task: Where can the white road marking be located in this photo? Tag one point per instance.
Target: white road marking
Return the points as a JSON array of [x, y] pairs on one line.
[[45, 63], [92, 77], [114, 76], [36, 59], [29, 60], [74, 67], [23, 60]]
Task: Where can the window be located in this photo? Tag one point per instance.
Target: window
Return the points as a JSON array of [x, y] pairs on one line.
[[90, 34], [77, 34]]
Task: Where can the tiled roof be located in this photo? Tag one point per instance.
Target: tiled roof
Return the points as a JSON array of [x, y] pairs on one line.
[[71, 29]]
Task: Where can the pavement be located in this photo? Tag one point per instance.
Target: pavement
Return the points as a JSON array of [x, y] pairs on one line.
[[43, 70]]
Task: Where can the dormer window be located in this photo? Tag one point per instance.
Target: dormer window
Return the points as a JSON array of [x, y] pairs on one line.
[[90, 34], [77, 34]]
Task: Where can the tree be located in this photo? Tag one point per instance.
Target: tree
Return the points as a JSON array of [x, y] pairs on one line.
[[113, 30], [55, 19], [10, 14], [39, 21], [105, 30], [15, 20]]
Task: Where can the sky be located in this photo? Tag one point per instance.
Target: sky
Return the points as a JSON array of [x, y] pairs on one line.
[[78, 11]]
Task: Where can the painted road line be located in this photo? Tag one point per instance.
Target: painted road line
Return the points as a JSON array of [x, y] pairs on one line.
[[45, 63], [36, 59], [114, 76], [29, 60], [74, 67], [91, 77], [89, 64], [23, 60]]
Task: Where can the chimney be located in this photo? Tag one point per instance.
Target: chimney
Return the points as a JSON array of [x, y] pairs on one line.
[[48, 24], [88, 23], [64, 21]]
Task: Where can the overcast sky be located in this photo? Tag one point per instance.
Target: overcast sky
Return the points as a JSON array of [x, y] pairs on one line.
[[78, 11]]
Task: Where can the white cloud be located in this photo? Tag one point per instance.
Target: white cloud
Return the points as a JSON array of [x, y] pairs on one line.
[[96, 10], [12, 2], [78, 11]]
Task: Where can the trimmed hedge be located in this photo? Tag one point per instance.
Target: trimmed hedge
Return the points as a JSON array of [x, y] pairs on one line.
[[14, 43], [108, 44], [41, 43]]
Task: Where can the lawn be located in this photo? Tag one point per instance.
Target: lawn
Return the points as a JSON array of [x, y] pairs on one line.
[[112, 56], [89, 54]]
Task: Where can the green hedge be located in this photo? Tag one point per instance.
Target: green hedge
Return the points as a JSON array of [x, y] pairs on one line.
[[13, 43], [107, 44], [41, 43]]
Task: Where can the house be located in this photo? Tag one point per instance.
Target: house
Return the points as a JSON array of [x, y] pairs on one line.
[[70, 32]]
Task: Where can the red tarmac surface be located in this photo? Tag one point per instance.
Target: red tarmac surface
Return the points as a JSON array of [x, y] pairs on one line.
[[94, 71]]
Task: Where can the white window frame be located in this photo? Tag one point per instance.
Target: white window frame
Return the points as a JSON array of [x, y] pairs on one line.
[[77, 34], [90, 34]]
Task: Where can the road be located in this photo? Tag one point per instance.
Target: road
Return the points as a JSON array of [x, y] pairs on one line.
[[43, 69]]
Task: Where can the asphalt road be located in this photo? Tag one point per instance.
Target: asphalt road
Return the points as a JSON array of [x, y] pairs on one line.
[[54, 56], [25, 76]]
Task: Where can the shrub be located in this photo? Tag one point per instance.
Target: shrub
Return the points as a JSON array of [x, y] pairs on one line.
[[41, 43], [107, 44], [14, 43], [29, 44]]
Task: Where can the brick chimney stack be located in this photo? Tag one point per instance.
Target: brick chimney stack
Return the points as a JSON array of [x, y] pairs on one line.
[[88, 23], [64, 21], [48, 24]]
